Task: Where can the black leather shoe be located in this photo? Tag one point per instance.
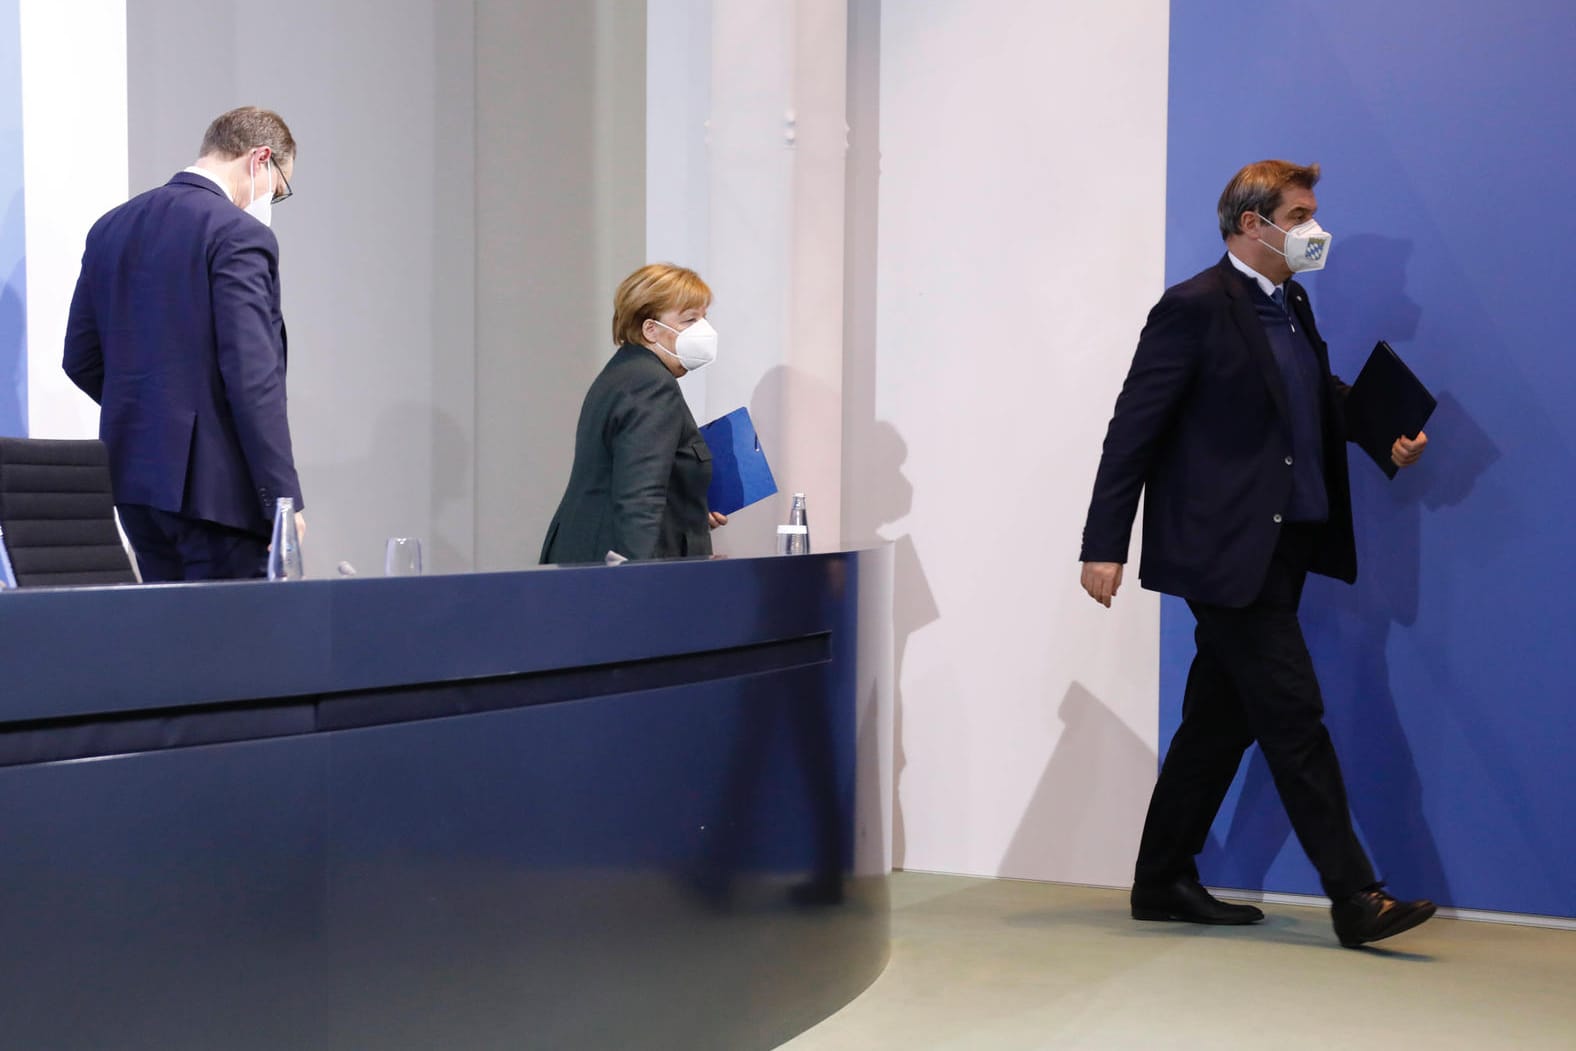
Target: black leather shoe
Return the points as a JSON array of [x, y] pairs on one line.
[[1185, 900], [1370, 915]]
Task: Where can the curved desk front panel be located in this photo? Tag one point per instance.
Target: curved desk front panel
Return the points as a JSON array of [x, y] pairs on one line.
[[567, 808]]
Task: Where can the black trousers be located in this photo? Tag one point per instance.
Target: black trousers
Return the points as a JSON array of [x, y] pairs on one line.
[[170, 547], [1252, 680]]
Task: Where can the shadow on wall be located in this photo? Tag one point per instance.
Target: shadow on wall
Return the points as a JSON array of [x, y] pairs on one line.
[[1363, 298], [885, 498], [1367, 299], [1097, 756], [13, 329], [752, 531]]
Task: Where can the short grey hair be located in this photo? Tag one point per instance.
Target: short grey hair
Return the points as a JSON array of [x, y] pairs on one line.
[[1258, 188]]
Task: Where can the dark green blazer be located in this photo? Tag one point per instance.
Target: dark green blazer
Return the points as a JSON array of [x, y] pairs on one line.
[[641, 471]]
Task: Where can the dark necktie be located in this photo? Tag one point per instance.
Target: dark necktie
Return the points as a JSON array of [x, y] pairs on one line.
[[1279, 298]]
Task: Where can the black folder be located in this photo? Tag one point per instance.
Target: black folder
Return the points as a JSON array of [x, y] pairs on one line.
[[1385, 402]]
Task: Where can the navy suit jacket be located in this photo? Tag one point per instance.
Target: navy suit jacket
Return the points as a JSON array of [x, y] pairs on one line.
[[175, 330], [1201, 429]]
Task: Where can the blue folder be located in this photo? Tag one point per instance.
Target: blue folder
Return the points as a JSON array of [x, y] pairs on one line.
[[740, 474]]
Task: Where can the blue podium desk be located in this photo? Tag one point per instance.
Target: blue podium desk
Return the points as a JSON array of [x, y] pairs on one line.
[[635, 807]]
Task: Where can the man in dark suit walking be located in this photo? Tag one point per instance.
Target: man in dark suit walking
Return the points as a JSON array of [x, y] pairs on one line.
[[1230, 423], [176, 331]]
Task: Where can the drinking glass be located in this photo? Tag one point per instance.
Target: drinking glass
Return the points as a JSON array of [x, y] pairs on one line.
[[402, 557]]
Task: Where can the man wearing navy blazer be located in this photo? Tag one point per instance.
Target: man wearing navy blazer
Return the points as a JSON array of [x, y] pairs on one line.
[[176, 331], [1230, 424]]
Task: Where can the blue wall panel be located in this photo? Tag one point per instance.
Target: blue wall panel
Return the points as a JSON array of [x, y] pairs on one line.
[[1444, 132], [13, 284]]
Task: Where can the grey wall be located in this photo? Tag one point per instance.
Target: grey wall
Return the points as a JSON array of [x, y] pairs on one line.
[[560, 122], [463, 201]]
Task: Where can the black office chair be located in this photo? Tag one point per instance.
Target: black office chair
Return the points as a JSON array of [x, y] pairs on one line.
[[57, 515]]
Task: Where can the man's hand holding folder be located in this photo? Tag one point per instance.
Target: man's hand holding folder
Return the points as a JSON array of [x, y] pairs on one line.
[[1385, 405], [1406, 451]]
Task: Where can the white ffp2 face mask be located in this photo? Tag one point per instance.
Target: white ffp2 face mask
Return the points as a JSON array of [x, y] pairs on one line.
[[695, 347], [1307, 246], [262, 209]]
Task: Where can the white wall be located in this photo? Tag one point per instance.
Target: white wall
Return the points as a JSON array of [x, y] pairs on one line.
[[746, 139], [1020, 244], [678, 188], [1000, 213], [74, 168]]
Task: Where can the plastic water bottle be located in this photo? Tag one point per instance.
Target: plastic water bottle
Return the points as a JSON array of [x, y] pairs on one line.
[[794, 538], [284, 554], [798, 517]]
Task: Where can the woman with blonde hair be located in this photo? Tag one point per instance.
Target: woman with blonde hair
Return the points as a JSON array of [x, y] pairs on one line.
[[641, 470]]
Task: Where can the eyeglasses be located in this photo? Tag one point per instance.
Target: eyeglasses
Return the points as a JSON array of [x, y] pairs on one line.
[[289, 193]]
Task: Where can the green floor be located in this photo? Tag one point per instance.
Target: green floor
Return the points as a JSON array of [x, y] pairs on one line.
[[1002, 964]]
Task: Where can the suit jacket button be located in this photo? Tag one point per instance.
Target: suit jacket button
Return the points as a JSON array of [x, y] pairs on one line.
[[1288, 461], [1277, 519]]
